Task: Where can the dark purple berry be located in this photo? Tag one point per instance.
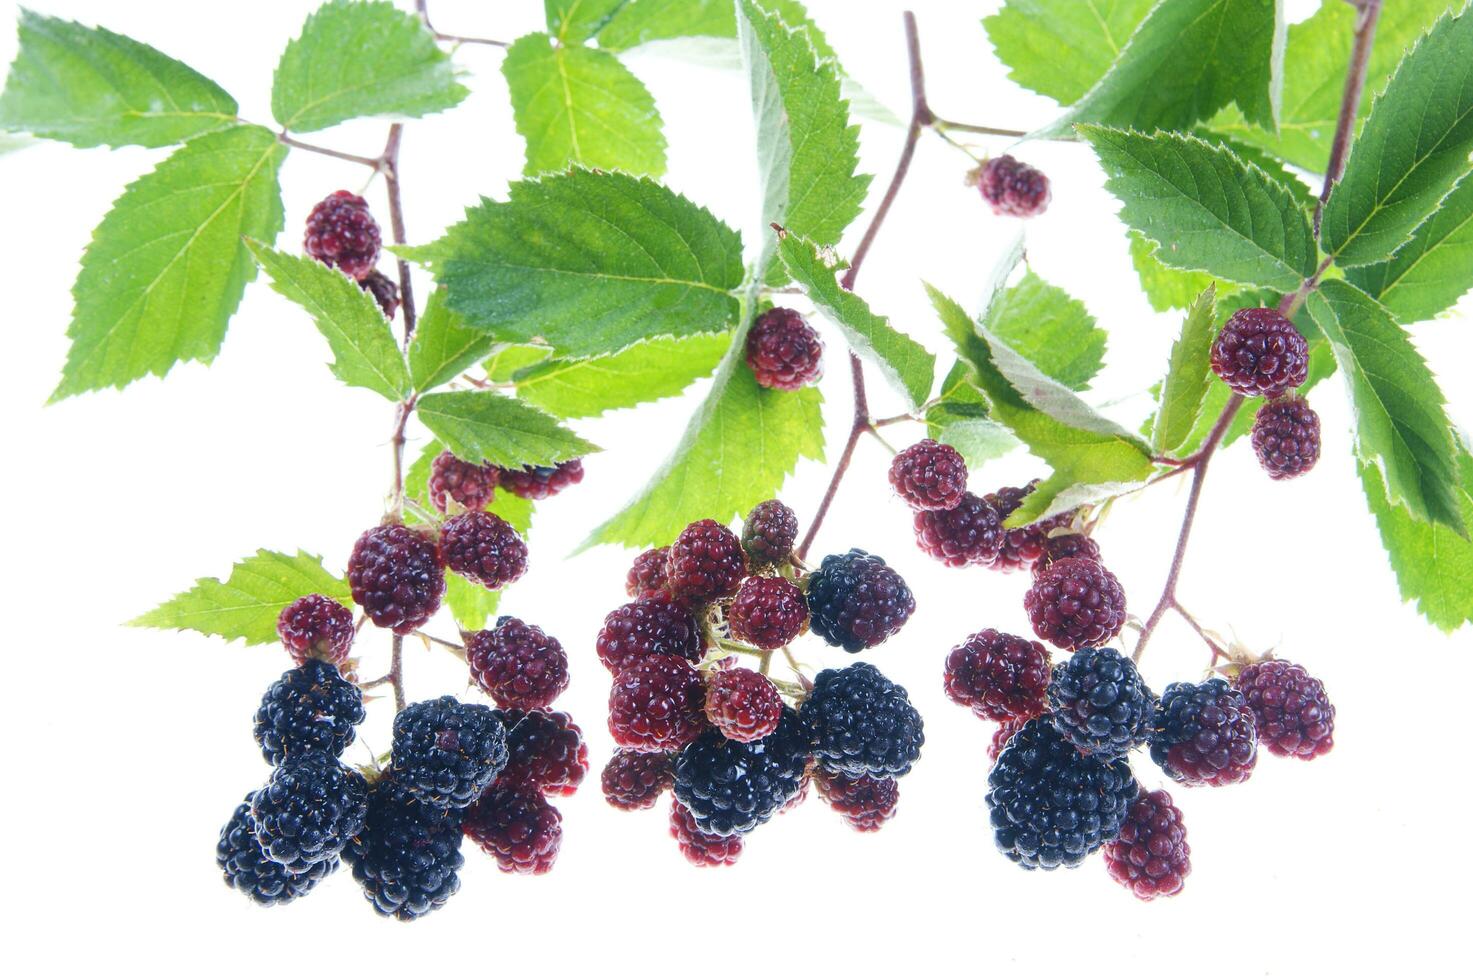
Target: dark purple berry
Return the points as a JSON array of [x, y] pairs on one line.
[[342, 233], [783, 351]]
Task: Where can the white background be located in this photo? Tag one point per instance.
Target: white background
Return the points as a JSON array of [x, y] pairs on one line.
[[127, 749]]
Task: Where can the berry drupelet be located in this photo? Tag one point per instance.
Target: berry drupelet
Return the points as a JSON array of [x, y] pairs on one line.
[[407, 859], [1075, 603], [700, 848], [647, 574], [1294, 715], [1100, 703], [856, 601], [310, 709], [316, 627], [1151, 856], [862, 723], [249, 871], [743, 704], [783, 351], [308, 810], [734, 787], [545, 750], [446, 753], [635, 780], [398, 576], [705, 562], [518, 827], [769, 533], [657, 704], [471, 485], [1013, 188], [518, 665], [483, 548], [342, 233], [1260, 352], [929, 475], [865, 802], [541, 482], [1204, 734], [971, 533], [999, 676], [767, 612], [1286, 437], [652, 626]]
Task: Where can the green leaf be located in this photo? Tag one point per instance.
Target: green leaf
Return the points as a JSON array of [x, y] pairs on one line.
[[245, 606], [1188, 375], [1188, 59], [364, 351], [507, 359], [1433, 565], [1401, 421], [641, 21], [356, 59], [1061, 48], [1413, 149], [908, 366], [168, 264], [1316, 57], [1209, 211], [1050, 329], [576, 106], [650, 370], [443, 346], [575, 21], [91, 87], [1431, 272], [1165, 288], [589, 262], [959, 418], [485, 427]]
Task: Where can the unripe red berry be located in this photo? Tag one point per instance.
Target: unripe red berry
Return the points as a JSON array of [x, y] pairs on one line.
[[783, 351]]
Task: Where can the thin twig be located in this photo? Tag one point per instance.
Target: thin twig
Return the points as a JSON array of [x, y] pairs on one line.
[[396, 226], [944, 124], [1355, 81], [396, 672], [375, 162], [422, 8]]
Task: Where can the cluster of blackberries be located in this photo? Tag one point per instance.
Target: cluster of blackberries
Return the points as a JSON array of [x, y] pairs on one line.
[[783, 351], [1012, 188], [1259, 352], [736, 747]]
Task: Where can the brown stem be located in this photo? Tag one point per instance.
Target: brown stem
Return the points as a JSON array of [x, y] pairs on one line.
[[396, 226], [422, 8], [857, 429], [1355, 81], [396, 672], [944, 124], [374, 162]]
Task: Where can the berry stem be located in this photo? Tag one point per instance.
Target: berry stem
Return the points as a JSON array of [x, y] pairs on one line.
[[375, 162], [454, 648], [396, 224], [942, 125], [1355, 81], [421, 7], [396, 672]]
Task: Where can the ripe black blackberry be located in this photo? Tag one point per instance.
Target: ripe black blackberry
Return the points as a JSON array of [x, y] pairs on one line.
[[865, 802], [734, 787], [471, 485], [545, 751], [541, 482], [971, 533], [1260, 352], [518, 827], [484, 548], [446, 753], [1151, 856], [1050, 806], [407, 858], [929, 475], [856, 601], [700, 848], [398, 576], [769, 533], [1294, 715], [651, 626], [249, 871], [518, 665], [1286, 437], [1075, 603], [862, 723], [706, 562], [1100, 703], [1013, 188], [783, 351], [315, 626], [1021, 547], [309, 709], [341, 233], [768, 612], [647, 574], [743, 705], [384, 291], [308, 810], [635, 780], [998, 675], [1204, 734], [657, 704]]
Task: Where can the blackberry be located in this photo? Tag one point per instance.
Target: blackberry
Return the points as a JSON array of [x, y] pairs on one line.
[[1286, 437], [384, 291], [342, 233], [398, 576], [1260, 352], [653, 626], [1013, 188], [1002, 734], [863, 724], [518, 827], [743, 704], [541, 482], [1151, 856], [706, 562], [1100, 703], [545, 751], [929, 475], [635, 780], [999, 676], [408, 856], [310, 709], [856, 601], [518, 665], [249, 871], [769, 533], [1059, 546], [1020, 547], [308, 810], [657, 704], [700, 848], [483, 548], [865, 802], [647, 574], [768, 612], [783, 351], [971, 533], [471, 485], [1075, 603], [1293, 713], [316, 627], [1051, 806], [734, 787], [1204, 734], [446, 753]]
